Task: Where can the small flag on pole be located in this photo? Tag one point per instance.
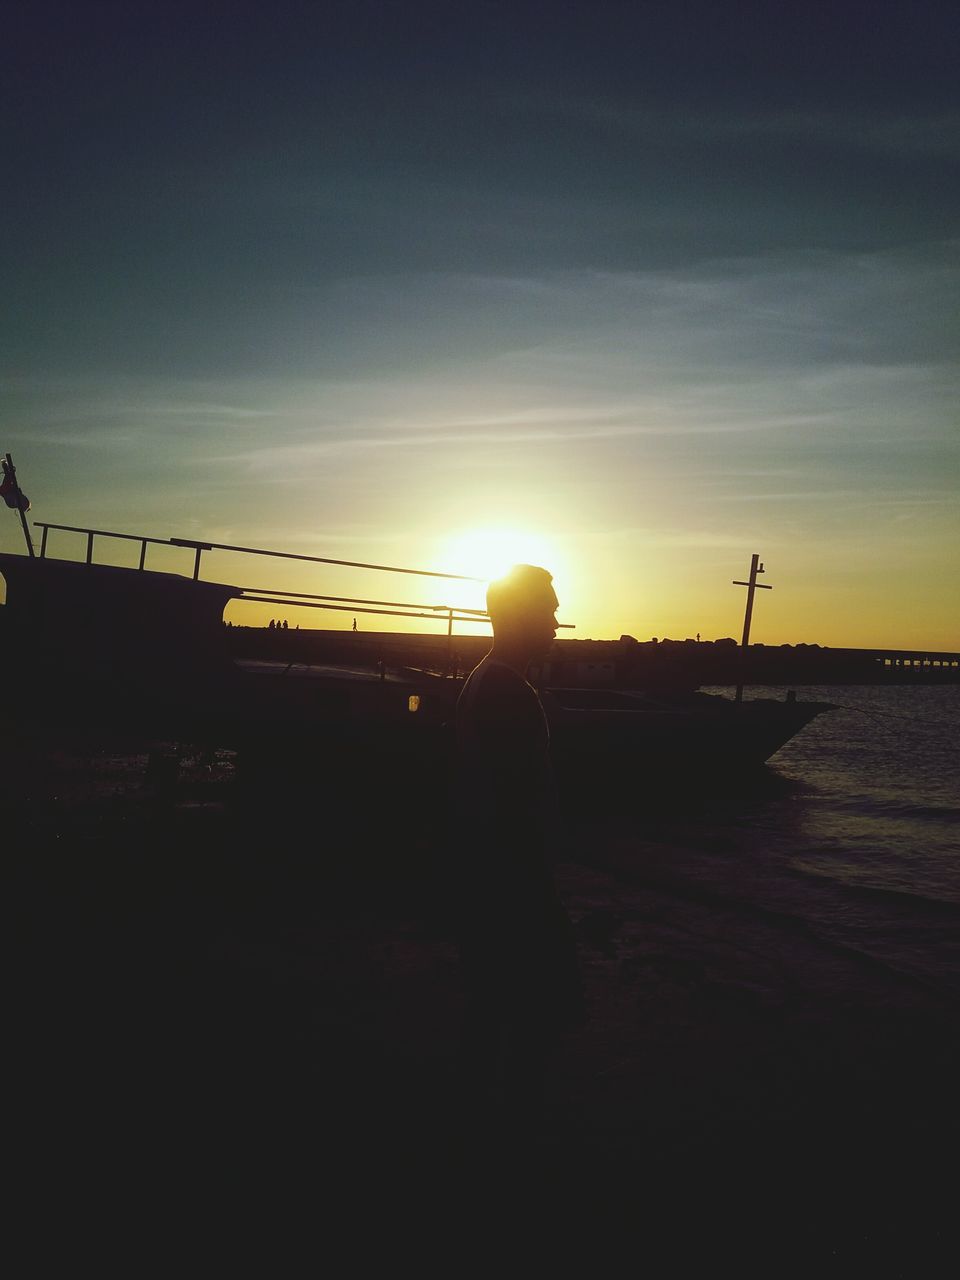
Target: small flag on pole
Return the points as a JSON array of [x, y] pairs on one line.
[[11, 494]]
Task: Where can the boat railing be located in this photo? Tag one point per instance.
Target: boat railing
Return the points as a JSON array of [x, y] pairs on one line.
[[102, 533], [301, 599]]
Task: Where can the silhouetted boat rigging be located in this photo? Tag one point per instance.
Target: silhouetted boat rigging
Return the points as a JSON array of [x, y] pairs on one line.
[[145, 652]]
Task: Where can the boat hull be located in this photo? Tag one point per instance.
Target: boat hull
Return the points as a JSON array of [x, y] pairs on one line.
[[706, 730], [98, 647]]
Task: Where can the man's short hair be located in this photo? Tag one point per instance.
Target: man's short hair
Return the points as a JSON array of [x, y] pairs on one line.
[[521, 587]]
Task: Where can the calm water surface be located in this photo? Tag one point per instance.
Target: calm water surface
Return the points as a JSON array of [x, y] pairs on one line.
[[852, 828]]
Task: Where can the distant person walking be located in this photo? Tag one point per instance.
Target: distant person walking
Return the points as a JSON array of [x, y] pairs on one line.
[[354, 624], [518, 954]]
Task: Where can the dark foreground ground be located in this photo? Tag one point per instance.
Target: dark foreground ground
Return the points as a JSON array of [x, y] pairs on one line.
[[229, 1005]]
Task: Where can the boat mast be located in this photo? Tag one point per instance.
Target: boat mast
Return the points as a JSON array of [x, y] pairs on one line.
[[752, 586], [10, 471]]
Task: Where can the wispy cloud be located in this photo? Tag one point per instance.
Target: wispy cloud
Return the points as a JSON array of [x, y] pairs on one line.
[[934, 133], [748, 393]]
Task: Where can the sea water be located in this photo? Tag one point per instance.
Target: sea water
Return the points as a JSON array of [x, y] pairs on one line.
[[852, 829]]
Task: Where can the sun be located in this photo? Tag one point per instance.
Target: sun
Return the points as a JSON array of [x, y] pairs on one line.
[[489, 552]]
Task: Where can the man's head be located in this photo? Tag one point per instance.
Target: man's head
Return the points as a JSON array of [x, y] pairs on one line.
[[522, 606]]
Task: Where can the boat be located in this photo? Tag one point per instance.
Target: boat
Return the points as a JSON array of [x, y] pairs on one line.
[[611, 745], [87, 645], [146, 653]]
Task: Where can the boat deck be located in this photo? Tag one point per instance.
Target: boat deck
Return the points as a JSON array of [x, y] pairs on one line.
[[315, 671]]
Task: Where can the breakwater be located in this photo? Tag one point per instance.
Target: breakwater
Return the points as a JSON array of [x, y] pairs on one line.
[[623, 663]]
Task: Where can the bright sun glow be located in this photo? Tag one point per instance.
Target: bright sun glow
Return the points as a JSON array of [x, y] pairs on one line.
[[488, 553]]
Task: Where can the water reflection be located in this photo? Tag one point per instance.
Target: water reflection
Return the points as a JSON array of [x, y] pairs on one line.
[[851, 829]]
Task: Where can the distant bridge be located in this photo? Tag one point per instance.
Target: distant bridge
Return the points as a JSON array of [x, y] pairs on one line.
[[907, 658]]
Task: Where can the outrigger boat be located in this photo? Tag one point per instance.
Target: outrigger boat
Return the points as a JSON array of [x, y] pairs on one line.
[[146, 652]]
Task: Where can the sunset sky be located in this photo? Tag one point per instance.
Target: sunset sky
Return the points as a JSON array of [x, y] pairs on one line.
[[629, 290]]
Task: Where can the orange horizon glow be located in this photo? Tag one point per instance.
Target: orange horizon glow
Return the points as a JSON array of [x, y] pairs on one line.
[[803, 612]]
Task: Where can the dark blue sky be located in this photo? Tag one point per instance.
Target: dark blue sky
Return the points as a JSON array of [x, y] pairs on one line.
[[170, 168]]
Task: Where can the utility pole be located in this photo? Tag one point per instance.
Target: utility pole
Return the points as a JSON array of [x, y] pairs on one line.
[[752, 586]]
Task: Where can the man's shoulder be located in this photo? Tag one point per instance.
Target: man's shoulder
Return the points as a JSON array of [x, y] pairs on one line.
[[496, 678], [492, 686]]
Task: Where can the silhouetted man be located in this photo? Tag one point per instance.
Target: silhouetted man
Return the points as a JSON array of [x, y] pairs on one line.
[[518, 955]]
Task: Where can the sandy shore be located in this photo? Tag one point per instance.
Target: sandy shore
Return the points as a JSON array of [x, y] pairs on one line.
[[210, 993]]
